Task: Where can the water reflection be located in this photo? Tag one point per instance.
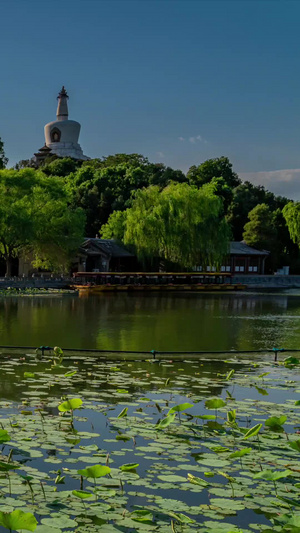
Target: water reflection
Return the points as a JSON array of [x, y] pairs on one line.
[[179, 321]]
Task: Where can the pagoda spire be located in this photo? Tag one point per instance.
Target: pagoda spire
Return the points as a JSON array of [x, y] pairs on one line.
[[62, 107]]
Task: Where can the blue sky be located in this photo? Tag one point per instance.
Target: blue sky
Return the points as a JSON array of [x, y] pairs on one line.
[[179, 81]]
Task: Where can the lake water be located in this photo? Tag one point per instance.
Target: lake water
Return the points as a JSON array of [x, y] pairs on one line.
[[125, 404], [152, 466], [179, 321]]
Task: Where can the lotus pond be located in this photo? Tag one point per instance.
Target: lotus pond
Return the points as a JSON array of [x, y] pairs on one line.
[[91, 445]]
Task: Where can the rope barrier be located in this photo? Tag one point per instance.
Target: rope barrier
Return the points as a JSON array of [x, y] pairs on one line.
[[45, 348]]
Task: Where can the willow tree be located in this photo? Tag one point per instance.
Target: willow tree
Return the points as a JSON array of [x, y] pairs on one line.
[[291, 213], [180, 224]]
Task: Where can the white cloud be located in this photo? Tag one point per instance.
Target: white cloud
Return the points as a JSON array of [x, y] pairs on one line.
[[197, 138], [281, 182], [194, 139], [160, 154]]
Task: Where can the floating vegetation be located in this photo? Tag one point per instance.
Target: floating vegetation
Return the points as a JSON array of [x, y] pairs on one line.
[[34, 291], [204, 446]]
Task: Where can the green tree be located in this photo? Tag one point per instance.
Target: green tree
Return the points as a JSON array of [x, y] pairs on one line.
[[3, 158], [115, 228], [219, 167], [222, 190], [24, 163], [61, 167], [180, 224], [291, 213], [287, 252], [245, 197], [35, 219], [132, 160], [102, 186], [260, 231]]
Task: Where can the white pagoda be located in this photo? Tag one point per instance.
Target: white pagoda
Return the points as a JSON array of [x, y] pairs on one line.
[[62, 135]]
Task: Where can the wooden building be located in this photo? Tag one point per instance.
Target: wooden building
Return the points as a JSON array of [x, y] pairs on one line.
[[242, 259], [104, 255], [246, 260]]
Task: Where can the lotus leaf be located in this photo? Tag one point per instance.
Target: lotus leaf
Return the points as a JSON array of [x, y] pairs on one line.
[[4, 436], [230, 374], [214, 403], [276, 421], [141, 515], [129, 466], [123, 413], [197, 480], [180, 407], [295, 445], [70, 405], [4, 467], [240, 453], [231, 416], [272, 475], [94, 471], [82, 494], [165, 422], [18, 520], [252, 432], [182, 518], [291, 361], [288, 519]]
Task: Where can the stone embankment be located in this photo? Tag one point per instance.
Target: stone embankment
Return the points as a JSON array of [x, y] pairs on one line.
[[251, 281], [268, 282]]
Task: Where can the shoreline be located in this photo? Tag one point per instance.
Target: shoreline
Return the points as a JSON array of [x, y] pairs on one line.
[[13, 292], [259, 283]]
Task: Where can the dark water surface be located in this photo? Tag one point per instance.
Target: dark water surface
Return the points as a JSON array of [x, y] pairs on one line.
[[182, 321]]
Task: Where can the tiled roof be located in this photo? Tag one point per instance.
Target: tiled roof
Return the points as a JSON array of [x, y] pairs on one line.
[[241, 248], [111, 248], [107, 246]]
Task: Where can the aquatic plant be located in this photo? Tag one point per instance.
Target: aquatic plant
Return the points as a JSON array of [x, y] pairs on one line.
[[16, 520], [143, 453]]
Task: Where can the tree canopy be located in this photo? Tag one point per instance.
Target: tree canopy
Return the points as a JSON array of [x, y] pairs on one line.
[[291, 213], [35, 219], [105, 185], [180, 224], [245, 197], [213, 168], [101, 187], [105, 188], [260, 231], [3, 158], [61, 167]]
